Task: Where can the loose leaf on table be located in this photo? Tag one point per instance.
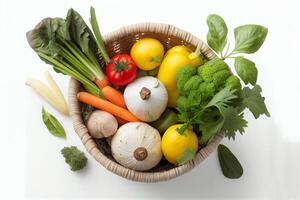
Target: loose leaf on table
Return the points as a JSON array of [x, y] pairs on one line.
[[217, 34], [249, 38], [230, 165], [74, 157], [53, 125], [253, 100], [246, 70], [187, 156], [233, 121]]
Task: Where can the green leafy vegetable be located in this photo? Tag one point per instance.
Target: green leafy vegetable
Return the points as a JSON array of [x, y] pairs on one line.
[[253, 100], [74, 157], [187, 156], [69, 46], [246, 69], [53, 125], [217, 34], [249, 38], [230, 165]]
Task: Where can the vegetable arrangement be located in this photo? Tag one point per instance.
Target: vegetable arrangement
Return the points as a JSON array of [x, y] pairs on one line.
[[155, 103]]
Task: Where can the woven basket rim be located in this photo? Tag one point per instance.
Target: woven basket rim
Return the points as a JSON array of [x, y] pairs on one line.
[[90, 144]]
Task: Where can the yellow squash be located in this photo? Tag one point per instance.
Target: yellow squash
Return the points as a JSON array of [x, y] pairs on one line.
[[176, 58], [147, 53], [174, 144]]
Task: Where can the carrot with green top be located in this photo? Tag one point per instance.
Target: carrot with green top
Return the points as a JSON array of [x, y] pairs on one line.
[[107, 106]]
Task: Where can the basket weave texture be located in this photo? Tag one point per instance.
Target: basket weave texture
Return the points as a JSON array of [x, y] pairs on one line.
[[121, 41]]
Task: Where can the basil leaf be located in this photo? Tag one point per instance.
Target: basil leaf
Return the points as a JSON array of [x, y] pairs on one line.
[[187, 156], [246, 70], [230, 165], [217, 33], [53, 125], [249, 38]]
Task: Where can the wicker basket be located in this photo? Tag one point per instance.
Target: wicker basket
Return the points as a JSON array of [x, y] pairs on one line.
[[121, 41]]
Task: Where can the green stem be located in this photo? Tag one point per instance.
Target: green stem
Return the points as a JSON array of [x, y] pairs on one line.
[[77, 64], [229, 55], [67, 69], [98, 36], [227, 49], [84, 60]]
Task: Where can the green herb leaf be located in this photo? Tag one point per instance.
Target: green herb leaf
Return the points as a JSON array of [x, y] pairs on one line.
[[253, 100], [233, 121], [222, 98], [209, 129], [187, 156], [230, 165], [182, 128], [74, 157], [246, 69], [249, 38], [53, 124], [212, 120], [217, 34]]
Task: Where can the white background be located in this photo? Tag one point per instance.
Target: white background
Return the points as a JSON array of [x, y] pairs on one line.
[[31, 164]]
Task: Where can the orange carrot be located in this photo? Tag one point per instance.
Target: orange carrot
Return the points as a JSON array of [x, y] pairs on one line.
[[121, 121], [114, 96], [106, 106], [102, 83]]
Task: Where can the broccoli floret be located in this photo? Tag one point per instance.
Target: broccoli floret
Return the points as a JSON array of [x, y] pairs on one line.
[[75, 158], [200, 88], [192, 84], [207, 90], [207, 70], [233, 82], [220, 77], [183, 75]]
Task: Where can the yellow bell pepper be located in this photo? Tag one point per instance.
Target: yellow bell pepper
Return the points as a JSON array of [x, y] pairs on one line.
[[176, 58]]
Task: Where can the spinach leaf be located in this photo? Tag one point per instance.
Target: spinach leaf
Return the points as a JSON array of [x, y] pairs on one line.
[[187, 156], [80, 32], [249, 38], [230, 165], [43, 38], [253, 100], [217, 34], [246, 70], [53, 125]]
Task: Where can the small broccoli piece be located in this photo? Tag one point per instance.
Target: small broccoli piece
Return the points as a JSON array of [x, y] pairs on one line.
[[183, 75], [207, 70], [75, 158], [207, 90], [192, 84], [220, 77], [233, 82]]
